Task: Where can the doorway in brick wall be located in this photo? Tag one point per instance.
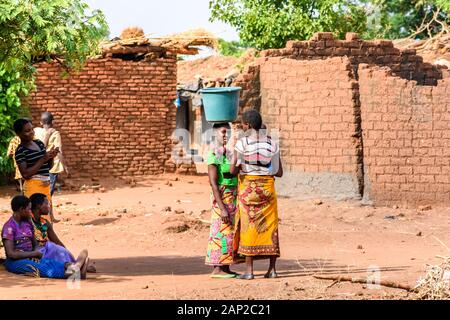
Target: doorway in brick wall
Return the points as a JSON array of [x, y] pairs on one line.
[[192, 128]]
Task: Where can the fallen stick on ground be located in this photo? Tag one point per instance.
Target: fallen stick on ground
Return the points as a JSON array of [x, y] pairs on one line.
[[389, 284]]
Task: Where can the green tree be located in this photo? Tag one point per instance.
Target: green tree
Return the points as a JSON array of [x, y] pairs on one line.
[[231, 48], [401, 18], [33, 31], [270, 23]]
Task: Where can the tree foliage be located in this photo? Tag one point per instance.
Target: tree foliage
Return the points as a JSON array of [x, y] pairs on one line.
[[270, 23], [401, 18], [231, 48], [32, 31]]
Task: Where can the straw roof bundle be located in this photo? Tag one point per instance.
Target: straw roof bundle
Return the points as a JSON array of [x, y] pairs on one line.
[[132, 33], [195, 37], [435, 285], [180, 43]]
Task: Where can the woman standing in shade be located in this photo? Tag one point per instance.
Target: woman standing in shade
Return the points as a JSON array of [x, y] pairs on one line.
[[257, 160], [33, 161]]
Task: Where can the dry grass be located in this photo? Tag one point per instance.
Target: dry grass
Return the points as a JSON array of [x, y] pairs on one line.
[[194, 37], [134, 41], [435, 285], [132, 33]]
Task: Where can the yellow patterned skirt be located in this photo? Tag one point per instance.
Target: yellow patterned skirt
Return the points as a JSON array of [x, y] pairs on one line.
[[33, 186], [257, 217]]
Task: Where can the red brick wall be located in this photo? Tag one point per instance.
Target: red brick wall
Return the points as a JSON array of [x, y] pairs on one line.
[[314, 104], [404, 63], [115, 116], [249, 81], [406, 138]]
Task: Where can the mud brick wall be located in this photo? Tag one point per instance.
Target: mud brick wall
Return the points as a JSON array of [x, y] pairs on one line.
[[404, 63], [406, 139], [249, 81], [315, 105], [115, 116]]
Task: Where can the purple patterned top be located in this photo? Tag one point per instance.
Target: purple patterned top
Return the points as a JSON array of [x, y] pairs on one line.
[[21, 234]]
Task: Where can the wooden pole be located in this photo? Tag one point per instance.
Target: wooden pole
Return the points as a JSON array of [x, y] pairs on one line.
[[384, 283]]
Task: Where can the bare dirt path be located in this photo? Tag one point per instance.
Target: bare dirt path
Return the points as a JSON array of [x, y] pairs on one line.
[[137, 258]]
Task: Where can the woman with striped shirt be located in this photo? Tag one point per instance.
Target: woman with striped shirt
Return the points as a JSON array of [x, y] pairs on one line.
[[33, 161], [257, 160]]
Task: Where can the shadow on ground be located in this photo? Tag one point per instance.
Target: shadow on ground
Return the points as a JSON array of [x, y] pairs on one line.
[[121, 269]]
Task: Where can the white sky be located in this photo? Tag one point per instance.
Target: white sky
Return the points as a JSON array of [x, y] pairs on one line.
[[160, 17]]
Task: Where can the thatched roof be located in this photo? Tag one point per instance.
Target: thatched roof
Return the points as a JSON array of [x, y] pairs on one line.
[[181, 43]]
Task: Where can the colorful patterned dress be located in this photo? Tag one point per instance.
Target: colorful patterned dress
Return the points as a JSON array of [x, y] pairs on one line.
[[257, 217], [49, 249], [220, 243]]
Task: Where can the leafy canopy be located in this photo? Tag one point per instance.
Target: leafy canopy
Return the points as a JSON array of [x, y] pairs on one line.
[[33, 31], [401, 18], [271, 23], [231, 48]]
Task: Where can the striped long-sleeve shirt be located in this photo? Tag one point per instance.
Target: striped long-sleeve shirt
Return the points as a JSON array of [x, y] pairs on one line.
[[258, 156], [30, 157]]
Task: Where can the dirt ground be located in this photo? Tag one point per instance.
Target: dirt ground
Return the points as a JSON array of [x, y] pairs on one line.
[[141, 253]]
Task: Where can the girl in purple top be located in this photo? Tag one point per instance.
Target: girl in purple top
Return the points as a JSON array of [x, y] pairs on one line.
[[22, 252]]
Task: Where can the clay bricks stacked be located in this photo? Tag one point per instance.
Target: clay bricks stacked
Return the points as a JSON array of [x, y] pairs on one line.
[[404, 63], [249, 81], [115, 116], [312, 103], [406, 139]]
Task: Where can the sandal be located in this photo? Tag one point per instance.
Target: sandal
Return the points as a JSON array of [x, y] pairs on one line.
[[246, 276], [271, 275], [223, 276]]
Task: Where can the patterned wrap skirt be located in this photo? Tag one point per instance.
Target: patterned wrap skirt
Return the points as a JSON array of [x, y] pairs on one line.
[[257, 217], [33, 186], [220, 243]]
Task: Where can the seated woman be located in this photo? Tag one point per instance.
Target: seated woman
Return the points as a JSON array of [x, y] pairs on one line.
[[22, 253], [51, 246]]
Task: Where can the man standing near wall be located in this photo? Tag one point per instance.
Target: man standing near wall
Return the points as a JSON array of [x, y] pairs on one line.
[[52, 139]]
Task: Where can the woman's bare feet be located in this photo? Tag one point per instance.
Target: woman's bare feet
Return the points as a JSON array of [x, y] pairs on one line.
[[76, 268], [81, 263], [84, 269]]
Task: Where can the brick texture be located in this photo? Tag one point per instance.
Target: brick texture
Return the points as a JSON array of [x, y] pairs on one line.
[[403, 63], [406, 138], [314, 104], [115, 116]]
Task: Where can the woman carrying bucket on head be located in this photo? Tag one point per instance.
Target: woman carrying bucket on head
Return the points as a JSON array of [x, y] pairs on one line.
[[220, 105], [224, 193]]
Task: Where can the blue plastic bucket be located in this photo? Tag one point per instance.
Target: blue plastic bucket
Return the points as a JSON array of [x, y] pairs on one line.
[[221, 104]]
